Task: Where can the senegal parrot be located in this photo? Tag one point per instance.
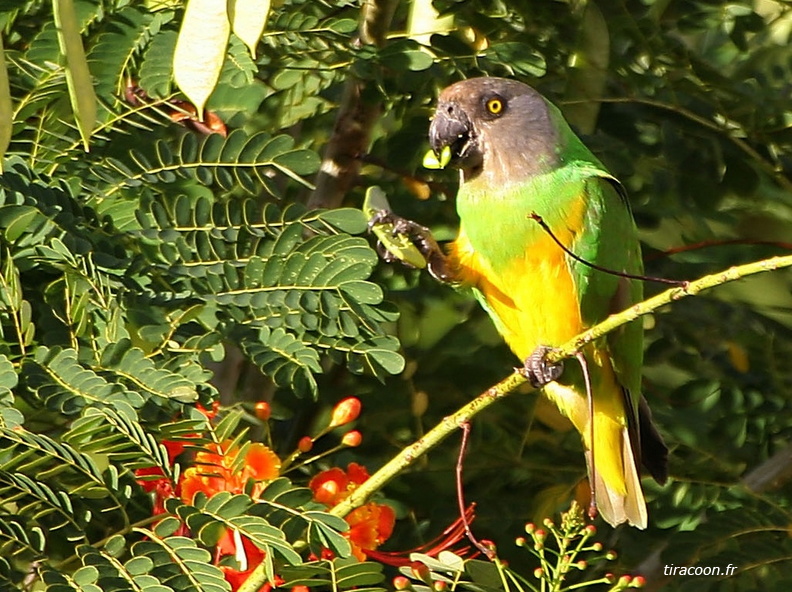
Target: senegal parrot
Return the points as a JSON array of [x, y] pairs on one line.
[[517, 156]]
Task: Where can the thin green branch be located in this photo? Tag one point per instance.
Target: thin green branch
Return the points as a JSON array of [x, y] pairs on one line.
[[452, 422]]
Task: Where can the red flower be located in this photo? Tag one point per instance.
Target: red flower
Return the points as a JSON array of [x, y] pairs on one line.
[[247, 555], [209, 413], [333, 486], [369, 525], [162, 488], [218, 469]]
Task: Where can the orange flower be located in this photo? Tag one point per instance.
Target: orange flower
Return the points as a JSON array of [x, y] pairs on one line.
[[369, 525], [247, 555], [218, 469], [333, 486], [450, 539], [209, 413]]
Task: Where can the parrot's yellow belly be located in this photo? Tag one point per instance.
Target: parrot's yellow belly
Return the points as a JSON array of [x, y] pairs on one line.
[[533, 302]]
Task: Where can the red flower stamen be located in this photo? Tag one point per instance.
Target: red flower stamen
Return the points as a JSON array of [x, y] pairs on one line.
[[445, 541]]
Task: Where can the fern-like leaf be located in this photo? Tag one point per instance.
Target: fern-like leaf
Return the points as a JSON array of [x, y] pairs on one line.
[[43, 458], [20, 540], [290, 509], [179, 563], [338, 574], [238, 160], [209, 519], [113, 574]]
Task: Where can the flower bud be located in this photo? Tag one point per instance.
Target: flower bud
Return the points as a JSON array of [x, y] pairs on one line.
[[530, 528], [611, 555], [548, 523], [538, 572], [590, 530], [209, 413], [596, 547], [305, 444], [625, 580], [540, 535], [401, 583], [638, 582], [345, 411], [439, 586], [327, 554], [582, 564], [352, 439], [519, 541], [610, 578], [262, 410]]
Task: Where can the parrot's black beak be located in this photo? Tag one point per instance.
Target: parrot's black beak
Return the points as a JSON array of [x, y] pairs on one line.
[[451, 127]]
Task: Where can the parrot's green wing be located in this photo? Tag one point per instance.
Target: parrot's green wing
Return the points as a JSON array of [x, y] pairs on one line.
[[609, 239]]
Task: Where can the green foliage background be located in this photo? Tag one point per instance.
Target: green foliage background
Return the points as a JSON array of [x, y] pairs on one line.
[[165, 268]]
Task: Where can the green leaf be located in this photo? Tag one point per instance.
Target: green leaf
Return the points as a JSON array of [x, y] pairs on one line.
[[406, 54], [78, 76], [248, 18], [6, 107], [157, 66], [519, 56], [201, 49]]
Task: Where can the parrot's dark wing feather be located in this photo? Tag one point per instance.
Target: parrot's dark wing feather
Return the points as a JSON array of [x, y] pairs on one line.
[[648, 445], [654, 452]]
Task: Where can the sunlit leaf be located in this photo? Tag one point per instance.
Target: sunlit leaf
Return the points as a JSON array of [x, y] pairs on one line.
[[201, 49]]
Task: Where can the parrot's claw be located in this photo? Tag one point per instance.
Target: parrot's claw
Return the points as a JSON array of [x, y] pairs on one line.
[[538, 370], [423, 240], [381, 217], [389, 257], [385, 254]]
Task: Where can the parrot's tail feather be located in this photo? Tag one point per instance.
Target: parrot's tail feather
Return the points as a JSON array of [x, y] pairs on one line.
[[654, 452], [635, 504], [616, 507]]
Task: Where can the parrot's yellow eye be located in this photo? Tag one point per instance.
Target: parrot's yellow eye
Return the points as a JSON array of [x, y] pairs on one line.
[[495, 106]]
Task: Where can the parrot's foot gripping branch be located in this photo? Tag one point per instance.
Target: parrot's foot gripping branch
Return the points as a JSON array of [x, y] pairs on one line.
[[538, 370], [421, 237]]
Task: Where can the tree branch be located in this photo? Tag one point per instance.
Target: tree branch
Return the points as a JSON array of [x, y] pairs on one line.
[[452, 422], [356, 117]]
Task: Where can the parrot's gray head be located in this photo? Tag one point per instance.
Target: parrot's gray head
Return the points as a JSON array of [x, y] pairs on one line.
[[499, 127]]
